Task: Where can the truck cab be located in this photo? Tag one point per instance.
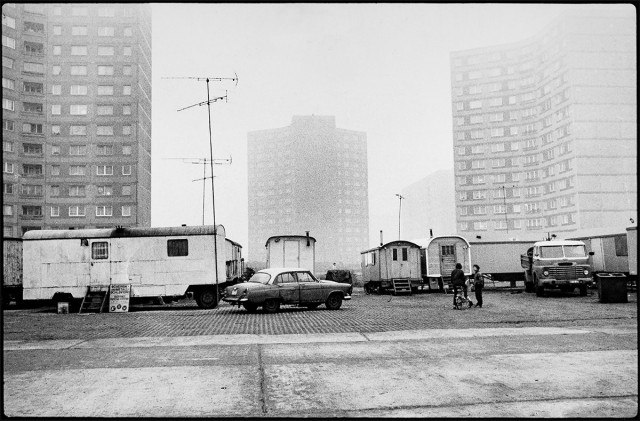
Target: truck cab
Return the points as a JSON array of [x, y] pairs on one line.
[[557, 264]]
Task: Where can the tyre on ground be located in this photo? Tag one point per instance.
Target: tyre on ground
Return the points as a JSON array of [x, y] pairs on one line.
[[334, 301], [207, 298]]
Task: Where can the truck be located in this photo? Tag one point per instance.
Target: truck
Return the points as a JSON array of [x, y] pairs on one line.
[[165, 262], [557, 264]]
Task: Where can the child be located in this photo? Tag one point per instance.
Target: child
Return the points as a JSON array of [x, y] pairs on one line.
[[478, 283]]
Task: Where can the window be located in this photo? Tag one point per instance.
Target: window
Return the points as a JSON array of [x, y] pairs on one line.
[[126, 211], [126, 130], [104, 211], [126, 90], [78, 50], [32, 128], [55, 191], [8, 83], [104, 150], [30, 210], [77, 170], [78, 90], [395, 254], [126, 110], [477, 164], [478, 179], [79, 30], [480, 225], [8, 104], [496, 117], [76, 211], [126, 190], [105, 109], [8, 125], [127, 51], [126, 150], [497, 132], [77, 191], [475, 104], [177, 248], [480, 194], [7, 188], [105, 190], [56, 70], [105, 90], [106, 31], [32, 107], [7, 167], [55, 129], [105, 70], [104, 170], [78, 109], [79, 11], [32, 87], [77, 150], [56, 109], [10, 22], [126, 170], [9, 42], [32, 149], [100, 250], [55, 211], [127, 71], [405, 254], [128, 32], [79, 70], [78, 130], [55, 170], [7, 62], [55, 150], [495, 102], [7, 146], [7, 210], [104, 130], [105, 50]]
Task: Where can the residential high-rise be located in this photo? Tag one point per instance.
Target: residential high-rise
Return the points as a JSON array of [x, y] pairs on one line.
[[309, 176], [545, 130], [76, 115]]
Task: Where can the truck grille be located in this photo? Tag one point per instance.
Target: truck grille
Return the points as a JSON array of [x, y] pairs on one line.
[[566, 273]]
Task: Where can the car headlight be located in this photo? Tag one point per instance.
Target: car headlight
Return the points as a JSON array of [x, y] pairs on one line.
[[586, 272], [545, 272]]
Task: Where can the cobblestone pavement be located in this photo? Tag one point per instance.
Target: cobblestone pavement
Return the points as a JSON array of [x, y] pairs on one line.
[[364, 313]]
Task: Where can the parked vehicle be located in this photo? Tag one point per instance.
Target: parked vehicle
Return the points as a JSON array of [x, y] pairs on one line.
[[234, 262], [339, 275], [499, 260], [386, 266], [439, 256], [11, 270], [291, 251], [157, 262], [557, 264], [273, 287]]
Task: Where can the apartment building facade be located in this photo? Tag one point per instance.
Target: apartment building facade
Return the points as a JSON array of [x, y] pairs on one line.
[[545, 137], [76, 99], [309, 176]]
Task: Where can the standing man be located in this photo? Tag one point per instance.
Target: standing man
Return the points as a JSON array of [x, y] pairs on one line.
[[459, 283], [478, 282]]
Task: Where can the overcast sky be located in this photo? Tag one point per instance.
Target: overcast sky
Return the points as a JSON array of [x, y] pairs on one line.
[[378, 68]]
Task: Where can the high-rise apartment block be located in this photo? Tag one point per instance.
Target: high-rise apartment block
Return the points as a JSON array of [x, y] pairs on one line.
[[545, 130], [309, 176], [76, 116]]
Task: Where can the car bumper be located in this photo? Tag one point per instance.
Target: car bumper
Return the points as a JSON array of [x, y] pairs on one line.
[[557, 283], [235, 301], [346, 297]]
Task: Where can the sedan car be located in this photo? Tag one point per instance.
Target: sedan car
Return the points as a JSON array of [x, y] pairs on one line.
[[269, 288]]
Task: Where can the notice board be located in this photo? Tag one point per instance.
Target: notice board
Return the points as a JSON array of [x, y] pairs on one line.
[[119, 298]]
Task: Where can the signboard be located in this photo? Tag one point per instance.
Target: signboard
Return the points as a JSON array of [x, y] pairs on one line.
[[119, 298]]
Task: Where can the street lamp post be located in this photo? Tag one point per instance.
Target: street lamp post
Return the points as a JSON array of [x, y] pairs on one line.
[[399, 212]]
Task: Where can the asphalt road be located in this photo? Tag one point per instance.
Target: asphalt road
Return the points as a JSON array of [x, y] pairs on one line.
[[378, 356]]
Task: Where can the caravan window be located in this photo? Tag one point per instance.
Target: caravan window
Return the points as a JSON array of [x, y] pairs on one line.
[[177, 248], [395, 254], [100, 250], [404, 254]]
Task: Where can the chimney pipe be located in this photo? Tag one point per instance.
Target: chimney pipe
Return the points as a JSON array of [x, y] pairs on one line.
[[308, 241], [381, 238], [430, 233]]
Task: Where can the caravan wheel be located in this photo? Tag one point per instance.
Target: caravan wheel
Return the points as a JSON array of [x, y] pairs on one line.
[[206, 298]]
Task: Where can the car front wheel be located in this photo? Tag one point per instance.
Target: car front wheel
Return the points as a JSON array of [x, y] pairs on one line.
[[271, 306], [334, 301]]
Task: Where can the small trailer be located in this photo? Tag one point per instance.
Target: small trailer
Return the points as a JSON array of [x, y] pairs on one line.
[[500, 260], [295, 251], [66, 265], [234, 262], [394, 266], [610, 252], [632, 249], [11, 270], [439, 256]]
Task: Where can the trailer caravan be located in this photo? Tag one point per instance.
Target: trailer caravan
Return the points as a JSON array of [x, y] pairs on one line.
[[392, 266], [500, 259], [155, 262], [234, 262], [294, 251], [632, 250], [610, 251], [11, 270], [439, 256]]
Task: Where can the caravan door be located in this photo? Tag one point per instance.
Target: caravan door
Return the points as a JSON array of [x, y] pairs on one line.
[[100, 263], [292, 254], [447, 259]]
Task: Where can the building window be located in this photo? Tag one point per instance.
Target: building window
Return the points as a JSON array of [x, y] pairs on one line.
[[55, 150], [30, 210], [8, 125], [7, 62], [127, 51], [497, 132], [104, 170], [126, 130], [104, 150], [105, 90], [79, 11], [79, 50], [32, 107], [56, 70], [32, 87], [55, 191], [8, 21], [104, 210], [78, 70], [7, 210], [480, 226], [32, 128], [76, 211], [126, 110], [8, 104], [79, 31], [106, 12], [105, 109], [7, 167], [77, 170], [105, 190], [77, 191], [106, 31], [55, 211], [55, 130], [127, 71], [7, 188], [55, 170], [56, 109], [478, 179], [78, 90], [126, 90], [126, 170], [128, 32], [7, 146], [126, 190], [78, 130], [32, 149], [126, 211], [105, 50], [126, 150], [8, 83], [77, 150], [100, 250], [475, 104], [79, 109], [104, 130], [9, 42], [105, 70]]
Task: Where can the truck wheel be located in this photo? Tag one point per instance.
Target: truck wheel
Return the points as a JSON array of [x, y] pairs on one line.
[[583, 290], [539, 290], [334, 301], [206, 298], [250, 307], [528, 287], [271, 306]]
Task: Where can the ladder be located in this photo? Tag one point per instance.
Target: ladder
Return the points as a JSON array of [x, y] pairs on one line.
[[95, 299], [401, 285]]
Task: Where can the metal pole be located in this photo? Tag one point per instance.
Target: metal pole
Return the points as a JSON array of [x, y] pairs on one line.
[[213, 197], [204, 185], [399, 213]]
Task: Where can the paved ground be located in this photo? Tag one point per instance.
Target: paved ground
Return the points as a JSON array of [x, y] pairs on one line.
[[378, 356]]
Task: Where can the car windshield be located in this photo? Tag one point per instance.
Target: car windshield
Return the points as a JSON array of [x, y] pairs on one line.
[[551, 252], [260, 278], [574, 251]]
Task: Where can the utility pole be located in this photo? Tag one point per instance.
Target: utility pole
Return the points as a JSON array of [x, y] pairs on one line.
[[399, 212], [213, 196]]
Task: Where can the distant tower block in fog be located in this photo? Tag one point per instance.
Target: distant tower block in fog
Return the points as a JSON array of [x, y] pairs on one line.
[[309, 176], [545, 130]]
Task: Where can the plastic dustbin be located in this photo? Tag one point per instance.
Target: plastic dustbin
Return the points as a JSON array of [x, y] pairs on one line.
[[612, 287]]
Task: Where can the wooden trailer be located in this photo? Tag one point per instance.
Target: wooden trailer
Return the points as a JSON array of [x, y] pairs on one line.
[[439, 256], [292, 251], [11, 270], [234, 261], [394, 266]]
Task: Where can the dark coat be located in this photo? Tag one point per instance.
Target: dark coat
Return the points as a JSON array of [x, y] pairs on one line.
[[457, 277], [478, 279]]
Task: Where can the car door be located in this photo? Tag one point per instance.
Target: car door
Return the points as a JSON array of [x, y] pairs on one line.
[[311, 290], [288, 288]]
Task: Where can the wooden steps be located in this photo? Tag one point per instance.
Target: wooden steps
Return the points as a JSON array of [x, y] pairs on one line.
[[95, 299]]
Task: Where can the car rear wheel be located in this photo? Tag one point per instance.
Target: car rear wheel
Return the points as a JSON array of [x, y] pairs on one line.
[[334, 301], [271, 306], [250, 307]]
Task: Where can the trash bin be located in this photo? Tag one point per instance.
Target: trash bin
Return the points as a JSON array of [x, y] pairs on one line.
[[612, 287]]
